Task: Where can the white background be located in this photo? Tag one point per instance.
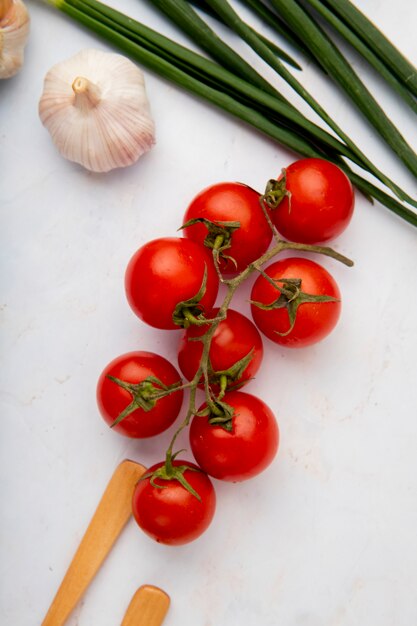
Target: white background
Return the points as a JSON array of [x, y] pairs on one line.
[[327, 536]]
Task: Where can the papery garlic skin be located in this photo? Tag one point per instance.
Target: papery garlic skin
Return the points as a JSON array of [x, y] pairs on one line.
[[96, 108], [14, 32]]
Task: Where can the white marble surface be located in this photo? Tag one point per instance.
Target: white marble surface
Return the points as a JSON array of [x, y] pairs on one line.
[[327, 536]]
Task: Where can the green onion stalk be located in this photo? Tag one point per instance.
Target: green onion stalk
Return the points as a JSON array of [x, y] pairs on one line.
[[377, 42], [362, 48], [341, 72], [231, 17]]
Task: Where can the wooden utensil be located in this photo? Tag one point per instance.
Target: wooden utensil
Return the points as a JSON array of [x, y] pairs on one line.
[[112, 514], [148, 607]]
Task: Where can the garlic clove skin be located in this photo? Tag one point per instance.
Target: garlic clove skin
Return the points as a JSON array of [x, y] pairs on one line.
[[14, 32], [96, 109]]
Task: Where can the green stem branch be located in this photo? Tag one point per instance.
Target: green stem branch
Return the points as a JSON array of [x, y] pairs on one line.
[[232, 286]]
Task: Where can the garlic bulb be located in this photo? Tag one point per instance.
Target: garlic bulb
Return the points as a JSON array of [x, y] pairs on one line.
[[14, 31], [96, 109]]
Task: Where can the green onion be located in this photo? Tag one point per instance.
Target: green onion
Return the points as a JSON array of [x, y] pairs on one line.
[[230, 16], [279, 52], [340, 70], [226, 102], [377, 42], [280, 27], [190, 22], [363, 49]]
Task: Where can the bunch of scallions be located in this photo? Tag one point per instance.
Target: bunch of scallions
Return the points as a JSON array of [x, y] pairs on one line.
[[229, 82]]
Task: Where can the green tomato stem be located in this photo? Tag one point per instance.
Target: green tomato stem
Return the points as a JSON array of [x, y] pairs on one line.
[[231, 287]]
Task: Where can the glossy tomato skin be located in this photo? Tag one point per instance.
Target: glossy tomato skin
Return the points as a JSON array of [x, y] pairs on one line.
[[321, 203], [230, 202], [243, 452], [173, 515], [134, 367], [314, 321], [233, 339], [165, 272]]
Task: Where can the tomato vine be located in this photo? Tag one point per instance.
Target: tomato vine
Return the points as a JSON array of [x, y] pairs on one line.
[[173, 283]]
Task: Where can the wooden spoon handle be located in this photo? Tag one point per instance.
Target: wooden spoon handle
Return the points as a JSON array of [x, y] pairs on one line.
[[112, 514], [148, 607]]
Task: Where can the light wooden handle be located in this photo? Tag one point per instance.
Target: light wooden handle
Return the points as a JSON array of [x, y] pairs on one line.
[[148, 607], [112, 514]]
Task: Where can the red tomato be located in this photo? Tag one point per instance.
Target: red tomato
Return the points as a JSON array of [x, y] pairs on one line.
[[233, 339], [320, 205], [244, 451], [172, 515], [112, 399], [165, 272], [314, 320], [232, 202]]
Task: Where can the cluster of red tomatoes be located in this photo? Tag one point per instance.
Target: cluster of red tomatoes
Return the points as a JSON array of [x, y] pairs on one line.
[[173, 283]]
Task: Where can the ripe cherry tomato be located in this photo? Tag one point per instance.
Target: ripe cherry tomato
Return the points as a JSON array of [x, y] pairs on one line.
[[320, 205], [231, 202], [233, 339], [165, 272], [133, 368], [244, 451], [172, 515], [314, 320]]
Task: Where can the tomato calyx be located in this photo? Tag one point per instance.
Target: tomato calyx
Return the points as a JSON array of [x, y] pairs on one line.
[[145, 394], [276, 191], [169, 472], [228, 379], [219, 236], [219, 413], [190, 311], [290, 298]]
